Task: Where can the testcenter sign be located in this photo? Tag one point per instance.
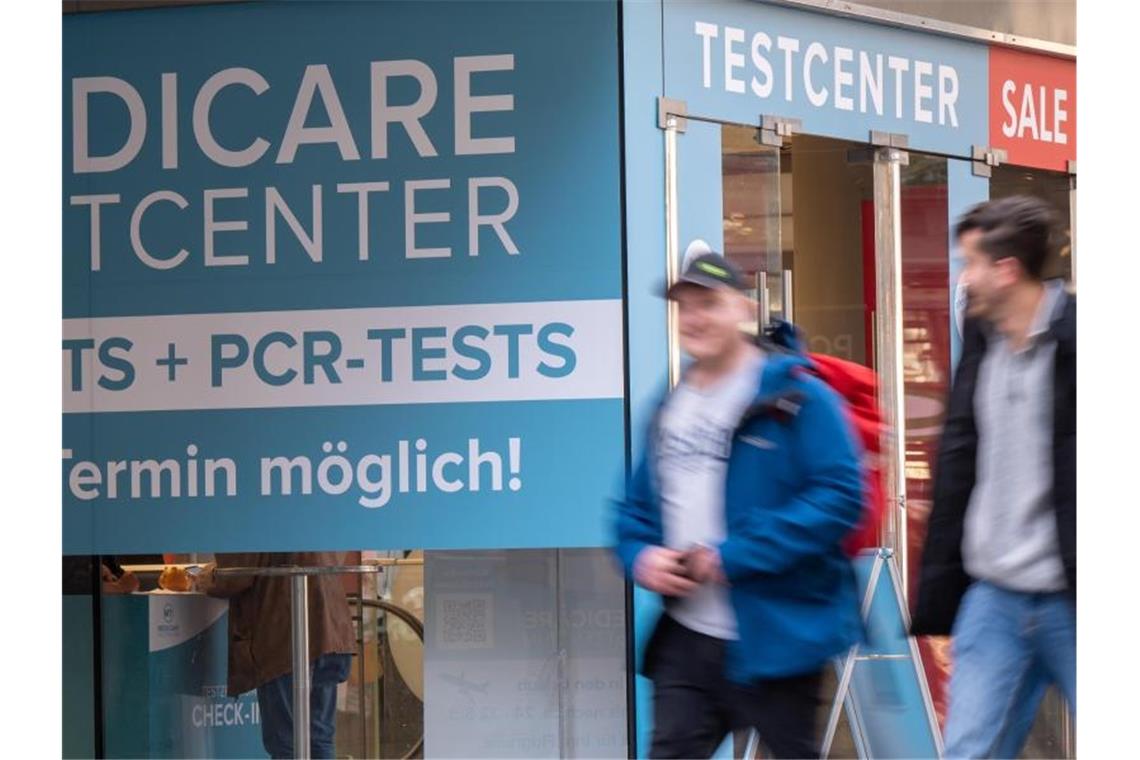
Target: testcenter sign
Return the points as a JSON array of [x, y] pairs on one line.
[[841, 78]]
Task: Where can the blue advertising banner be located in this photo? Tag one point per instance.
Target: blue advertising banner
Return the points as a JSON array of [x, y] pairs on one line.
[[341, 275], [734, 60]]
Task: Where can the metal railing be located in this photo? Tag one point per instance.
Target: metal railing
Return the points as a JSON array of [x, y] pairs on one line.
[[417, 627]]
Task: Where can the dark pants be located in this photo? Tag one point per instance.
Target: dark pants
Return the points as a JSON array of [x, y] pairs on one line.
[[695, 706], [275, 698]]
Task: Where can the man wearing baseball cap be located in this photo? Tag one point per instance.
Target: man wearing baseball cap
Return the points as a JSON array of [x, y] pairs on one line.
[[749, 483]]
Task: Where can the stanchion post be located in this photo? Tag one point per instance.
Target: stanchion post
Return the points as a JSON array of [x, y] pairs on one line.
[[301, 680]]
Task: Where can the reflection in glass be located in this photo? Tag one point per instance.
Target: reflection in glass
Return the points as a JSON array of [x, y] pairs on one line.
[[514, 653], [925, 229], [1046, 738], [754, 223]]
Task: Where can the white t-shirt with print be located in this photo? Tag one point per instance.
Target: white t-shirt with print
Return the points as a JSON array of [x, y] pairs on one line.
[[694, 440]]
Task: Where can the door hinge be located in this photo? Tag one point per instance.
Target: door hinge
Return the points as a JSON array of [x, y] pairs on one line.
[[889, 139], [986, 158], [773, 130], [674, 111]]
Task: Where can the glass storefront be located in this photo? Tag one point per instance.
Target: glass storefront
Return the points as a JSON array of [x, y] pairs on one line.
[[1052, 734], [456, 654], [800, 220], [528, 652]]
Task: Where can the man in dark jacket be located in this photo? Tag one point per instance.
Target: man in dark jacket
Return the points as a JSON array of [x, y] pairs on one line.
[[999, 569], [749, 484]]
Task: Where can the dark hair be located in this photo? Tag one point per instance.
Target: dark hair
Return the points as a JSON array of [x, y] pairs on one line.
[[1019, 227]]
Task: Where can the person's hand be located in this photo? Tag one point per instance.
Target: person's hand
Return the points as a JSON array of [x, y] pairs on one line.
[[128, 582], [661, 570], [704, 566]]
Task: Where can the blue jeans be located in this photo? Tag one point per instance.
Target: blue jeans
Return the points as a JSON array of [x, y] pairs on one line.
[[1008, 646], [275, 699]]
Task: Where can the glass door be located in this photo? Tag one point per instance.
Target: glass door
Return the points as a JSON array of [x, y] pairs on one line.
[[927, 322], [852, 243], [924, 233], [815, 223], [723, 193], [1053, 734], [723, 185]]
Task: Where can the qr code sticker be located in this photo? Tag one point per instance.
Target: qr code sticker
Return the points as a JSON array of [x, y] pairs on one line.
[[465, 621]]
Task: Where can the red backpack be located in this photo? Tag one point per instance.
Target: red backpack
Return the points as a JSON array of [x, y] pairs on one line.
[[857, 386]]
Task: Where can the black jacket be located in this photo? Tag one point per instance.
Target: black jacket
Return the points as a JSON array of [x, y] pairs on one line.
[[943, 579]]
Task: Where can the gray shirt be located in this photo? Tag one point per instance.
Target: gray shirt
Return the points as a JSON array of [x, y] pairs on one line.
[[695, 438], [1011, 529]]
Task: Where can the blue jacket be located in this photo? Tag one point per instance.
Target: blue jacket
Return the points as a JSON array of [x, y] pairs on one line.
[[793, 491]]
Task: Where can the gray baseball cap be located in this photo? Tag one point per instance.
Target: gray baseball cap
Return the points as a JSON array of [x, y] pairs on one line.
[[709, 270]]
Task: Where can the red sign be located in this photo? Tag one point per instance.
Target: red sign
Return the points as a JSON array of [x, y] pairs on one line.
[[1033, 108]]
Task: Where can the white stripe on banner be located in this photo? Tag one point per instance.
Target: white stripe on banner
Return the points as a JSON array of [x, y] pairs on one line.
[[409, 355]]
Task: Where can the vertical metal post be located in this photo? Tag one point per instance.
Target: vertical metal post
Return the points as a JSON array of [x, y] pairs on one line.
[[1073, 231], [564, 716], [764, 301], [361, 670], [1068, 735], [789, 300], [672, 246], [889, 343], [301, 681], [752, 746], [96, 590]]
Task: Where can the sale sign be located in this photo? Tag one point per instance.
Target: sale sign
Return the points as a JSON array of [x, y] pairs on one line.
[[1033, 108]]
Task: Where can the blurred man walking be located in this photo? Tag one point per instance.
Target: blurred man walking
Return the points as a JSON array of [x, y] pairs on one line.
[[750, 483], [999, 570]]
